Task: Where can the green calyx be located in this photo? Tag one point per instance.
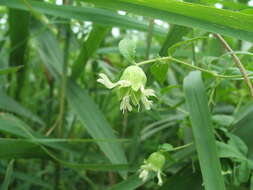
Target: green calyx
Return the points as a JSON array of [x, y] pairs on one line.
[[157, 160], [136, 76]]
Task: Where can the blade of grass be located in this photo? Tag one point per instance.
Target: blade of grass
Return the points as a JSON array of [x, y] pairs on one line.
[[94, 121], [95, 38], [18, 21], [235, 24], [9, 104], [203, 132], [174, 36], [82, 104], [99, 16], [8, 176]]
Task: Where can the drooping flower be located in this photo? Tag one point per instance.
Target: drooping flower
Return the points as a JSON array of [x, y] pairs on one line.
[[154, 163], [131, 87]]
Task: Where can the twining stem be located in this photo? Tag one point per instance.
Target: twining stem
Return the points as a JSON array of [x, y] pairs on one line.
[[237, 62], [191, 66]]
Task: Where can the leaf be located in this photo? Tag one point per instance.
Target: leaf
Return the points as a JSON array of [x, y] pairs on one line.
[[24, 148], [203, 132], [99, 16], [11, 105], [251, 182], [173, 48], [130, 183], [236, 142], [233, 23], [81, 103], [19, 21], [96, 36], [127, 49], [223, 120], [244, 172], [243, 125], [166, 147], [159, 70], [8, 176], [174, 36], [94, 122], [229, 151], [9, 70], [19, 148]]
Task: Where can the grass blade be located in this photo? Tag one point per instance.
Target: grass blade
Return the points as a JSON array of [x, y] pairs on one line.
[[11, 105], [8, 176], [96, 36], [99, 16], [233, 23], [196, 100], [94, 121], [19, 21]]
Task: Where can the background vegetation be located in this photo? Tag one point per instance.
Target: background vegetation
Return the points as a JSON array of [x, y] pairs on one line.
[[61, 129]]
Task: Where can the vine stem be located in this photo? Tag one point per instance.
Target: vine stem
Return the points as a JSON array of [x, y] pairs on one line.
[[237, 62], [191, 66]]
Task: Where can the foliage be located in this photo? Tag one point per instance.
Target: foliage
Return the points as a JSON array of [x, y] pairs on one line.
[[126, 94]]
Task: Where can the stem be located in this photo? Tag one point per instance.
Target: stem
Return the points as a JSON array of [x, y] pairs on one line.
[[237, 62], [63, 83], [182, 147], [191, 66], [149, 37]]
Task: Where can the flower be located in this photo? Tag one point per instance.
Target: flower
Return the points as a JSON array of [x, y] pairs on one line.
[[131, 87], [154, 163]]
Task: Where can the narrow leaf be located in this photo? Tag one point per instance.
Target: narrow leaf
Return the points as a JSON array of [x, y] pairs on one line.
[[203, 132]]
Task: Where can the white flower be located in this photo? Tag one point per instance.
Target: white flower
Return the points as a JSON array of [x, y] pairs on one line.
[[131, 88], [154, 163]]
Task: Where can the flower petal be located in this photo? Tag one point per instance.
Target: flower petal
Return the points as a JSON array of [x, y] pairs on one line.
[[147, 92], [124, 83], [125, 104], [160, 181], [144, 174], [147, 103], [106, 81]]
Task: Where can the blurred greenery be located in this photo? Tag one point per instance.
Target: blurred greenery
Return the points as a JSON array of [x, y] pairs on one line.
[[61, 129]]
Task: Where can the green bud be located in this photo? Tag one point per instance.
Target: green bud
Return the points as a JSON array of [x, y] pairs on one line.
[[136, 76], [157, 160]]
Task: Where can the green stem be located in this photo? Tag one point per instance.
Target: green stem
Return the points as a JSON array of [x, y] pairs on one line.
[[182, 147], [191, 66]]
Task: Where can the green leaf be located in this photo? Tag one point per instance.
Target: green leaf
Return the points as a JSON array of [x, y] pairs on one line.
[[9, 70], [166, 147], [96, 36], [235, 24], [159, 70], [19, 21], [19, 148], [203, 132], [173, 48], [11, 105], [99, 16], [236, 142], [94, 121], [244, 172], [243, 125], [81, 103], [8, 176], [223, 120], [229, 151], [130, 183], [174, 35], [127, 49], [251, 182]]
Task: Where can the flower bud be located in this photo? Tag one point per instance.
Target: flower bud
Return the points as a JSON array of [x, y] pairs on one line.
[[157, 160], [136, 76]]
